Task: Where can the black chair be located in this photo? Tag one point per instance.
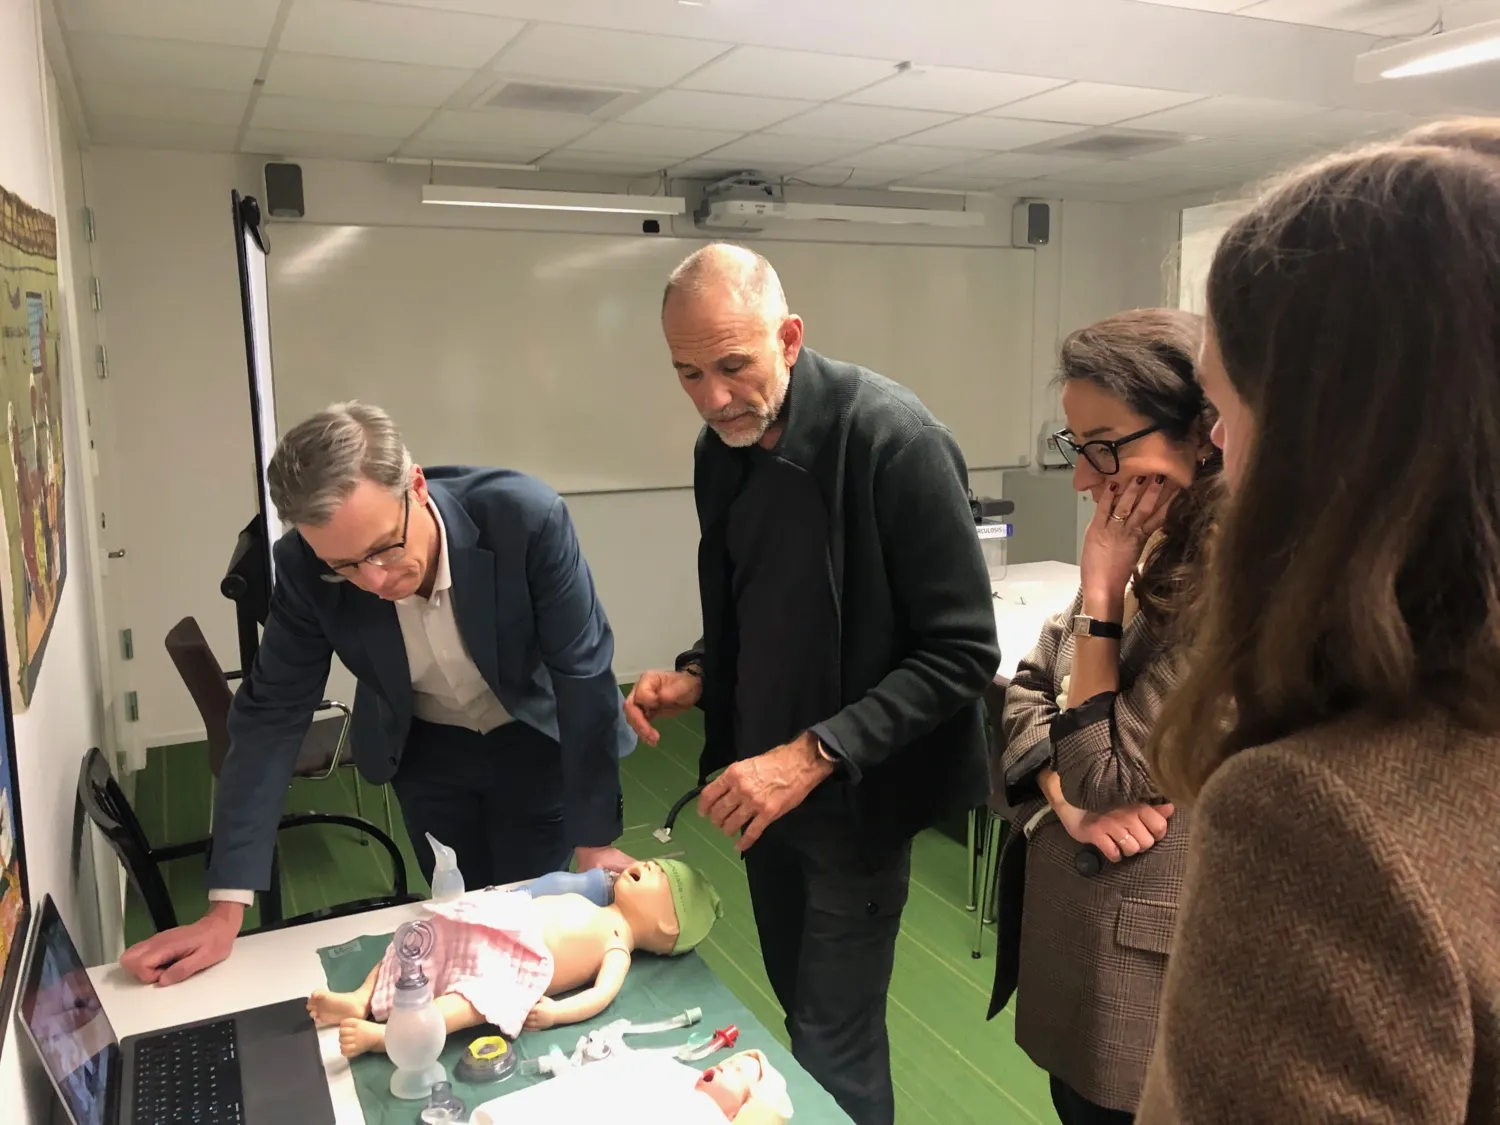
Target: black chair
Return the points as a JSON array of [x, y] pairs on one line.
[[325, 747], [109, 809]]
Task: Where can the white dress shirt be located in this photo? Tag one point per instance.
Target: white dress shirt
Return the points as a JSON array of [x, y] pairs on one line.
[[446, 685]]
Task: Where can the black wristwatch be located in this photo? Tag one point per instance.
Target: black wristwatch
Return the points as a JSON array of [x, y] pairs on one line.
[[1085, 626]]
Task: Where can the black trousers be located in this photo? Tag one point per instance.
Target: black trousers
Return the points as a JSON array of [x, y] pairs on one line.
[[1075, 1109], [828, 912], [496, 799]]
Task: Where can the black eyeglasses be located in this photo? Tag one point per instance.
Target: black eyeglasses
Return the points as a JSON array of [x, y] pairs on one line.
[[1103, 455], [383, 557]]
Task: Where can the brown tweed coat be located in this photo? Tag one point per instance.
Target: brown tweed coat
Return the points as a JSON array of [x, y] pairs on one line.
[[1092, 950], [1338, 953]]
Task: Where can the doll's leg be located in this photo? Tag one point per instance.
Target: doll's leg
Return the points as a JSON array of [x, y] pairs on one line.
[[359, 1036], [328, 1008], [458, 1013]]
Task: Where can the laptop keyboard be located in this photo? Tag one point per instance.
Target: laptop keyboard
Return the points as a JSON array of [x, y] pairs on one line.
[[189, 1077]]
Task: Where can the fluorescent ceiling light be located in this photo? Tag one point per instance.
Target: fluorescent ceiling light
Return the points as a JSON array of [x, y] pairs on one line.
[[531, 200], [848, 213], [1431, 54], [915, 190]]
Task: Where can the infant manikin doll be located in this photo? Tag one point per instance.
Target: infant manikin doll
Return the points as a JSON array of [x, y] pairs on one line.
[[747, 1089], [503, 957]]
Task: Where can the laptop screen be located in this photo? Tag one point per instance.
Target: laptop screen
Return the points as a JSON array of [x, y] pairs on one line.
[[62, 1013]]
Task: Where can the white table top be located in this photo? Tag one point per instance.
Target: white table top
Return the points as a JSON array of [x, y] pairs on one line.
[[1025, 597], [263, 969]]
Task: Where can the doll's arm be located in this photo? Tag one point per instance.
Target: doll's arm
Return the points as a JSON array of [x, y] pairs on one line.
[[590, 1002]]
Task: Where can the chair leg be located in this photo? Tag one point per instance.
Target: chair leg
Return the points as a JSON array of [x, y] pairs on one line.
[[994, 835], [973, 859], [390, 825], [989, 895], [359, 807]]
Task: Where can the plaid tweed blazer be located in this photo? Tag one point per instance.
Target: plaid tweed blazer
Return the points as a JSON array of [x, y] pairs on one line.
[[1337, 956], [1092, 951]]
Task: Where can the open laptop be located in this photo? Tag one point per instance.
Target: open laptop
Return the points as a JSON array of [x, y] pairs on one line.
[[257, 1067]]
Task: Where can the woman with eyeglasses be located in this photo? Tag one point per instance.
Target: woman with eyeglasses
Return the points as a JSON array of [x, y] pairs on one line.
[[1095, 854]]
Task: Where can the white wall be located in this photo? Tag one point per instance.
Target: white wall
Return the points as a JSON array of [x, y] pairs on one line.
[[177, 367], [63, 718]]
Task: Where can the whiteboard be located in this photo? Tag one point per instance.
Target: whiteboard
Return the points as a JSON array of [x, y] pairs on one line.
[[543, 352]]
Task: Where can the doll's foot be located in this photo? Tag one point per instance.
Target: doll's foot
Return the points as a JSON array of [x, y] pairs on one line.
[[328, 1008], [359, 1037]]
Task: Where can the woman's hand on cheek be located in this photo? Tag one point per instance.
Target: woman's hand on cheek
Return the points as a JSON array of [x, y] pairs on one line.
[[1129, 514]]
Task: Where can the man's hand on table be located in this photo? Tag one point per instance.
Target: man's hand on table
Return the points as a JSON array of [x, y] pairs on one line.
[[753, 794], [611, 859], [174, 955]]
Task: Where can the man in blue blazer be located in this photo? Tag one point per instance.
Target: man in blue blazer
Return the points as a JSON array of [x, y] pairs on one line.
[[461, 601]]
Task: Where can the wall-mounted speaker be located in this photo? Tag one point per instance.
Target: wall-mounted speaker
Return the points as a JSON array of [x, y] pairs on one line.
[[1031, 223], [284, 191]]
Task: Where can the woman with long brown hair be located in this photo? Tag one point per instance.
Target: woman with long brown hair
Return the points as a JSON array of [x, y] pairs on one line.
[[1337, 732], [1087, 953]]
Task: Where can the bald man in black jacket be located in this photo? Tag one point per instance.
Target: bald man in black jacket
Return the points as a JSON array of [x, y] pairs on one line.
[[848, 635]]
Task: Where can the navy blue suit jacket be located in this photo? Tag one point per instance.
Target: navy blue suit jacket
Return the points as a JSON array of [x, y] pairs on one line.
[[532, 623]]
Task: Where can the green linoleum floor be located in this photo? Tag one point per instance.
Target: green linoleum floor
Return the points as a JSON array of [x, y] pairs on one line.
[[950, 1066]]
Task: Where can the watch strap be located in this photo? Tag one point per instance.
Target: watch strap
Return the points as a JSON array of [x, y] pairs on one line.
[[1084, 625]]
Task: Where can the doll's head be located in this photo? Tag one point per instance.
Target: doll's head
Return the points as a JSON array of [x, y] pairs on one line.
[[669, 906], [747, 1089]]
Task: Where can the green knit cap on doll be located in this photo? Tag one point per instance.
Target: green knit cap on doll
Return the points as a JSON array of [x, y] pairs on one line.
[[695, 900]]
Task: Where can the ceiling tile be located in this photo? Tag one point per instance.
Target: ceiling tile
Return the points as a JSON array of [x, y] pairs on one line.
[[690, 108], [907, 158], [606, 58], [1111, 172], [954, 179], [774, 72], [1214, 153], [140, 132], [498, 151], [357, 29], [516, 127], [1021, 165], [165, 103], [1348, 15], [1228, 116], [240, 23], [859, 122], [359, 80], [328, 146], [1339, 126], [1067, 189], [676, 144], [163, 62], [712, 168], [997, 133], [952, 89], [842, 176], [1095, 103], [603, 163], [324, 115], [1203, 5], [761, 150]]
